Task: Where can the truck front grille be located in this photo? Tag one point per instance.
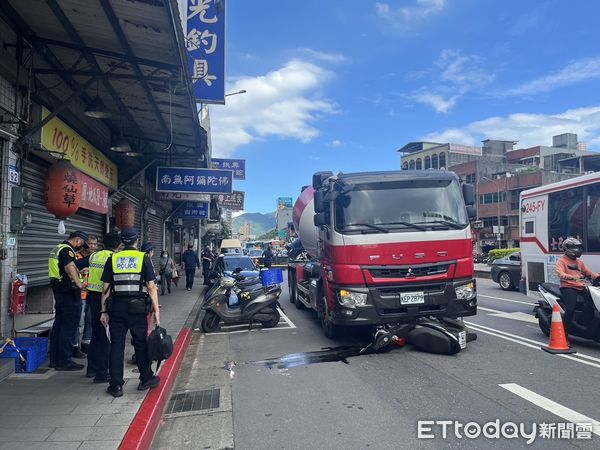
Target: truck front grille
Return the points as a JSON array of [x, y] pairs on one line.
[[409, 272]]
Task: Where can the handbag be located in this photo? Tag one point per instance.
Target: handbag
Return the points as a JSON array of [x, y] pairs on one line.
[[159, 345]]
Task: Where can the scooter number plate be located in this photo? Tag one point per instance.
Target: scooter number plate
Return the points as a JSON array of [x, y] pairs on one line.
[[412, 298], [462, 339]]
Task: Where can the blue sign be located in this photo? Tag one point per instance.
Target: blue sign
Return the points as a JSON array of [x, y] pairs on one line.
[[193, 210], [205, 44], [190, 179], [237, 165]]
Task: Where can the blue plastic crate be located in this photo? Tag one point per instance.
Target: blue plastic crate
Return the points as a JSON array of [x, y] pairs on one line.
[[35, 351], [269, 277]]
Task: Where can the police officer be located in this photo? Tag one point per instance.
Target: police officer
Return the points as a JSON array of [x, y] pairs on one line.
[[125, 275], [99, 348], [66, 287]]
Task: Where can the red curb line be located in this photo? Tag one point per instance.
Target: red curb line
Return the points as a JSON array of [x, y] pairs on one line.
[[144, 426]]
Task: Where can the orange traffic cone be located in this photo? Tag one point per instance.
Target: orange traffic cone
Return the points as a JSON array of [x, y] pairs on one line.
[[558, 338]]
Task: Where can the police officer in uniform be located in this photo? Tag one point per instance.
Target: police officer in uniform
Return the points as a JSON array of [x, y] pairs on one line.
[[66, 287], [99, 348], [125, 275]]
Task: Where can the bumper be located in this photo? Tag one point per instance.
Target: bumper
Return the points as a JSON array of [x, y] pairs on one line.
[[384, 305]]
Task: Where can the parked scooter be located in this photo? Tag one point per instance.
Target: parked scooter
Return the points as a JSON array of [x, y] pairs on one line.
[[257, 305], [583, 325]]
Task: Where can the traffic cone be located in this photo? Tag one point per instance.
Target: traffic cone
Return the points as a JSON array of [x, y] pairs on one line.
[[558, 339]]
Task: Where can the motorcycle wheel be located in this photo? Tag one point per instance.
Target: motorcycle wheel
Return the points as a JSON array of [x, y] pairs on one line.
[[210, 322], [273, 321], [545, 328]]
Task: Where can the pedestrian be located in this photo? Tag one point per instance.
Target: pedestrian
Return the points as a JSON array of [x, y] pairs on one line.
[[207, 260], [125, 275], [66, 287], [166, 267], [99, 349], [82, 337], [190, 263], [267, 257]]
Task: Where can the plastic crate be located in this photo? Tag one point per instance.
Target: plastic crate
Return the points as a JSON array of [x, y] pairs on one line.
[[34, 350], [269, 277]]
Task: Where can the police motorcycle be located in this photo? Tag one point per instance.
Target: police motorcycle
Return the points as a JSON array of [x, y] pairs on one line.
[[583, 325], [234, 303]]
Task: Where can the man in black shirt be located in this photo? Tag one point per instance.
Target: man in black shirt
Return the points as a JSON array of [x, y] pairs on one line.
[[190, 263], [125, 275]]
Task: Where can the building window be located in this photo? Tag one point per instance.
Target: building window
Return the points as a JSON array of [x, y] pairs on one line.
[[434, 161], [470, 178], [404, 165], [442, 160], [566, 215], [492, 197], [411, 165], [427, 162], [419, 165]]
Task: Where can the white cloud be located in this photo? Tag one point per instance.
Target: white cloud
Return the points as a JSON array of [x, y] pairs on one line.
[[336, 143], [323, 56], [283, 103], [455, 75], [403, 17], [529, 129], [574, 72]]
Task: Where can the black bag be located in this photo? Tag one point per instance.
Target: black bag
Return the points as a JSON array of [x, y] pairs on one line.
[[160, 345]]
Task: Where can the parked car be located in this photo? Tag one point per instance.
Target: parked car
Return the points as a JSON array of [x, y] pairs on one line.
[[507, 271], [256, 255], [231, 246], [227, 263]]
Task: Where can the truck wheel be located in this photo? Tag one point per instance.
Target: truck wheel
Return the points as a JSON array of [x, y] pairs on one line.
[[505, 281], [273, 321], [292, 289], [330, 330], [210, 322]]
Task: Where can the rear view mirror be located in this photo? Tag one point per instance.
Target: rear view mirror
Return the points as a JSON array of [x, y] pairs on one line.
[[468, 192], [471, 212], [321, 219], [319, 178], [319, 200], [238, 270]]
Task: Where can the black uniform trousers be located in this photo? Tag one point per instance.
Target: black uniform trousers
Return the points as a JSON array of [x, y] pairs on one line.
[[67, 306], [98, 356], [206, 272], [119, 322]]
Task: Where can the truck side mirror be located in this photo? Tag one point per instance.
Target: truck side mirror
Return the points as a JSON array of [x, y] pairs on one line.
[[321, 219], [468, 194], [471, 212], [319, 201], [319, 177]]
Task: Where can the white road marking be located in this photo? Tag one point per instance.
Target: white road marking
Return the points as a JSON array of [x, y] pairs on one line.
[[549, 405], [525, 342], [523, 317], [235, 328], [507, 300], [286, 318]]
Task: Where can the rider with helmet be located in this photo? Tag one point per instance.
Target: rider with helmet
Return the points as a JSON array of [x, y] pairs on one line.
[[571, 271]]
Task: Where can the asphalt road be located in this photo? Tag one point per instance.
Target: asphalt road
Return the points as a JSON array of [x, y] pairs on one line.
[[375, 401]]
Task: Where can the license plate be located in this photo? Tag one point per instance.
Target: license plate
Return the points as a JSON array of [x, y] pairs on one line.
[[412, 298], [462, 339]]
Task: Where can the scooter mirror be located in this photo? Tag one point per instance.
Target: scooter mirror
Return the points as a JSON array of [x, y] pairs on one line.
[[238, 270]]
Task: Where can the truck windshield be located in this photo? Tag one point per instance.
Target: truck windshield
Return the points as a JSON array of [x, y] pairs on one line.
[[416, 205]]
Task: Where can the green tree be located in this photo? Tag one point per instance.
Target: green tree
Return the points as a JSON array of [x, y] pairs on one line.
[[268, 236]]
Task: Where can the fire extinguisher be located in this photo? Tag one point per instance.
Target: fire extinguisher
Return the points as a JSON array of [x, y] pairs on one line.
[[18, 297]]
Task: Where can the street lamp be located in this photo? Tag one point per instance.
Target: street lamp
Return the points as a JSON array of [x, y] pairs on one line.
[[243, 91], [499, 235]]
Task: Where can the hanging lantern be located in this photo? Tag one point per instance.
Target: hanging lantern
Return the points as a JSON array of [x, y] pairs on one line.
[[125, 214], [63, 191]]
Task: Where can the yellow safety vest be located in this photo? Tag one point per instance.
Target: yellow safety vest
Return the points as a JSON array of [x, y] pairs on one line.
[[97, 262], [127, 273], [53, 270]]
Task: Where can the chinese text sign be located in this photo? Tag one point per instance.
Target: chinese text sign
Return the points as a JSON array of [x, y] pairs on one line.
[[189, 179], [238, 166]]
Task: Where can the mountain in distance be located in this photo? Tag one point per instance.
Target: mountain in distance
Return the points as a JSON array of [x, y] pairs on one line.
[[259, 223]]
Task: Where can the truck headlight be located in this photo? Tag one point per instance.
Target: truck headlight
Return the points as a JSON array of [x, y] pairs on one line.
[[352, 299], [466, 291]]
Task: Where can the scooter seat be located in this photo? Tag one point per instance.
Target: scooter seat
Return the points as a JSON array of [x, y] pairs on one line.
[[249, 282], [553, 288]]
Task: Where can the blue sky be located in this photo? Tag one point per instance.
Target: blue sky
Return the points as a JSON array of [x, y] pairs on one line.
[[341, 85]]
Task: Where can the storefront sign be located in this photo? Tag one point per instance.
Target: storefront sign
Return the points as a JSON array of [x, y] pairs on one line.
[[94, 195], [193, 210], [205, 44], [284, 202], [14, 175], [189, 179], [58, 137], [237, 165], [177, 196], [234, 201]]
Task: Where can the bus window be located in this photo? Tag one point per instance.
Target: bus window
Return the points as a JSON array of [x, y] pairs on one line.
[[565, 216], [593, 218]]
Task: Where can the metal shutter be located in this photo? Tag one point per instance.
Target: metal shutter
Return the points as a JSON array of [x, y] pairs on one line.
[[41, 235], [155, 227]]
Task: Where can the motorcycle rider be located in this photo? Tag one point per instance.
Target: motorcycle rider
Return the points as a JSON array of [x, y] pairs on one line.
[[571, 271]]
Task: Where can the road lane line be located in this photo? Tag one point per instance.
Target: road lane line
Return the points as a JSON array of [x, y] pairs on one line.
[[515, 315], [286, 318], [549, 405], [507, 300], [522, 341]]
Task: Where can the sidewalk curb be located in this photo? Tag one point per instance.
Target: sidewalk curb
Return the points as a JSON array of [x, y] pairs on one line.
[[144, 426]]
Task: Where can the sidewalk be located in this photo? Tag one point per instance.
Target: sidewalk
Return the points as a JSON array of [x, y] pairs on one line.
[[65, 410], [483, 271]]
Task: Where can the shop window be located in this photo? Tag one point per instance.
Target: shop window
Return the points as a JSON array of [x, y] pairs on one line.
[[434, 161]]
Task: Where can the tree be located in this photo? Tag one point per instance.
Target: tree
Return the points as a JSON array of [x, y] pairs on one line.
[[226, 231], [268, 236]]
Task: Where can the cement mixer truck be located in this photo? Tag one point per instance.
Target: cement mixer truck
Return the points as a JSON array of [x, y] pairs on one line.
[[384, 249]]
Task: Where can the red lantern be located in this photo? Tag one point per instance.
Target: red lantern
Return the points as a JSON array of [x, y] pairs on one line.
[[63, 189], [125, 214]]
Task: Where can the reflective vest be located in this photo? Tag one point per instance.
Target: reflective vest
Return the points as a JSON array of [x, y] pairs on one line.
[[97, 262], [53, 270], [127, 273]]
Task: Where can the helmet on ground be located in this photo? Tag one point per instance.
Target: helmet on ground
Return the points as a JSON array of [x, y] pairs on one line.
[[572, 247]]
